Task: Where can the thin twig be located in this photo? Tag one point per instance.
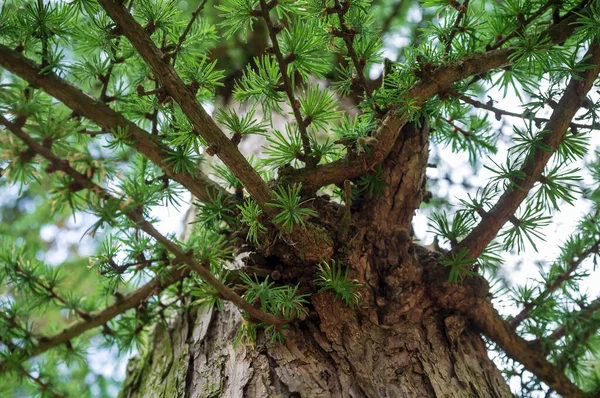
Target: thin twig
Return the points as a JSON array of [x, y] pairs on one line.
[[287, 84], [462, 11], [140, 222], [45, 387], [584, 314], [98, 112], [50, 290], [560, 120], [187, 30], [555, 284], [523, 25], [348, 35], [501, 112], [388, 21]]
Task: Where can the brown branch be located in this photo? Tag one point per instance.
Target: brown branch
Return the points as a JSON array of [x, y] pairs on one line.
[[45, 387], [438, 81], [470, 299], [552, 286], [348, 34], [49, 289], [560, 120], [181, 256], [585, 313], [501, 112], [462, 11], [457, 128], [287, 83], [99, 318], [187, 29], [98, 112], [202, 122], [523, 25]]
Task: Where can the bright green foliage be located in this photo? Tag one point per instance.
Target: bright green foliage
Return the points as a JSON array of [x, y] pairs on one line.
[[288, 202], [250, 213], [332, 277], [278, 300]]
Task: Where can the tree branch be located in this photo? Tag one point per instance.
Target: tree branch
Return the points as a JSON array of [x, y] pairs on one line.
[[585, 313], [98, 112], [438, 81], [523, 25], [181, 256], [99, 318], [287, 83], [551, 287], [187, 29], [347, 34], [202, 122], [493, 220], [462, 11], [501, 112], [470, 299], [390, 18]]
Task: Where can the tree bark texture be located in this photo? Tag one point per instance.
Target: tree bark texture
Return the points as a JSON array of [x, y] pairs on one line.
[[399, 342]]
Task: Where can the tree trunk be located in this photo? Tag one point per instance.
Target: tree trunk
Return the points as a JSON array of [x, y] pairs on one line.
[[412, 351], [399, 343]]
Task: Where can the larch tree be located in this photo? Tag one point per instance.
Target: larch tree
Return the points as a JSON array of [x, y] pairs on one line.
[[299, 274]]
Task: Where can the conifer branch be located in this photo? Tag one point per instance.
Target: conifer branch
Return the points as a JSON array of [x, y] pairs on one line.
[[98, 112], [287, 83], [49, 290], [523, 24], [560, 120], [437, 82], [45, 387], [391, 16], [555, 284], [470, 299], [219, 143], [99, 318], [462, 11], [181, 256], [501, 112], [187, 29], [347, 34], [585, 313]]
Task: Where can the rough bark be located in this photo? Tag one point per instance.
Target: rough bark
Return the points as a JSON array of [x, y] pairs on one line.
[[399, 343], [397, 346]]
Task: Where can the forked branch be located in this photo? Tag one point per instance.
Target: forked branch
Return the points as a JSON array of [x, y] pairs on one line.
[[219, 143], [101, 114], [493, 220], [181, 256]]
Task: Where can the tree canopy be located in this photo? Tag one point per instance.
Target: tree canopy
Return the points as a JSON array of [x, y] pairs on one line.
[[112, 109]]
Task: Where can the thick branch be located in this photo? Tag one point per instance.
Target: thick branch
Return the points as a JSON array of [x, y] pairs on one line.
[[202, 122], [470, 299], [181, 256], [560, 120], [552, 286], [439, 81], [105, 117]]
